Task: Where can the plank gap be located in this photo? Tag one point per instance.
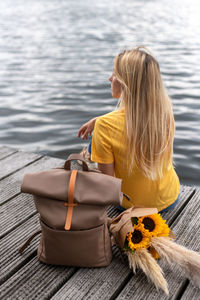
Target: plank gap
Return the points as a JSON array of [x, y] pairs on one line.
[[21, 168], [4, 202], [181, 208], [59, 286], [7, 155], [181, 290], [122, 285], [17, 268], [17, 225]]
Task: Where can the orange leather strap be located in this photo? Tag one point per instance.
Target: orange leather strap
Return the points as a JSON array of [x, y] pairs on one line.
[[70, 204]]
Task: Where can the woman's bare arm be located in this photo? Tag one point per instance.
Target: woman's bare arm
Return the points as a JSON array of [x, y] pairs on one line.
[[106, 168], [86, 129]]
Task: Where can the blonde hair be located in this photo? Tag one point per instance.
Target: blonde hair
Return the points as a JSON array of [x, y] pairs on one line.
[[148, 112]]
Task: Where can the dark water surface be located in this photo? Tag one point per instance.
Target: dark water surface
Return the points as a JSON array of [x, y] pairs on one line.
[[56, 57]]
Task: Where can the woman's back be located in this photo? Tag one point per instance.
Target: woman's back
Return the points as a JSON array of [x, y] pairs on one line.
[[109, 145]]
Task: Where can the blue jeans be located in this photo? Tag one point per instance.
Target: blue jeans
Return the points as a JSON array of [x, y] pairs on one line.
[[121, 209], [90, 146], [171, 206]]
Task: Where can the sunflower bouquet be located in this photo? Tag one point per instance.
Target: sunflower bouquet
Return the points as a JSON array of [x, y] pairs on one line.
[[144, 236]]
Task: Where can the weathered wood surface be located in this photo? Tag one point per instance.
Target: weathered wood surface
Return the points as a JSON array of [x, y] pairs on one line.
[[23, 277], [6, 151]]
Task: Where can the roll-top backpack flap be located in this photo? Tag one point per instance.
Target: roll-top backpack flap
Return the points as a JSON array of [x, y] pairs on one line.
[[93, 185], [92, 188], [98, 189], [49, 183]]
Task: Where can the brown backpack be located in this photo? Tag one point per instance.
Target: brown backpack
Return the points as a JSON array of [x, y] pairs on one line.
[[72, 207]]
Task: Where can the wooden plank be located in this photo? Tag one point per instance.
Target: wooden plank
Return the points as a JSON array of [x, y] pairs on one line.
[[11, 261], [187, 229], [44, 281], [103, 283], [186, 192], [10, 186], [15, 212], [15, 162], [94, 283], [191, 292], [6, 151]]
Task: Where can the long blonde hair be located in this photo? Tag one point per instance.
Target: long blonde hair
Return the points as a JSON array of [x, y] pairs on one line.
[[148, 112]]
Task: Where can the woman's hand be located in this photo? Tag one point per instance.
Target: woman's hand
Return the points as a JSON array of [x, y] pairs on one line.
[[86, 129]]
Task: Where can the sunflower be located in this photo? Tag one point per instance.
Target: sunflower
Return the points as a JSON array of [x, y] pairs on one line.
[[137, 238], [165, 231], [154, 225]]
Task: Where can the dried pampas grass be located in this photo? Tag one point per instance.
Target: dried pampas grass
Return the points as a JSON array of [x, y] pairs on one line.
[[144, 260], [138, 228], [188, 260]]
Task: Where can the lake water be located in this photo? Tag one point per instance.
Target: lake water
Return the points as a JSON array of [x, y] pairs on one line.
[[56, 57]]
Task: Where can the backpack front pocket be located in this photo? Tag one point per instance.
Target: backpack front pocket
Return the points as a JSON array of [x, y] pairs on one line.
[[84, 248]]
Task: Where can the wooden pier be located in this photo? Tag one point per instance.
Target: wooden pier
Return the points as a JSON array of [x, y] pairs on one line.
[[24, 277]]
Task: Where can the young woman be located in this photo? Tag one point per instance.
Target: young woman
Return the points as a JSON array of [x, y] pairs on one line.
[[135, 142]]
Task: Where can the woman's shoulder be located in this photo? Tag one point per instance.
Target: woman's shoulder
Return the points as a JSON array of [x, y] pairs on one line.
[[111, 117]]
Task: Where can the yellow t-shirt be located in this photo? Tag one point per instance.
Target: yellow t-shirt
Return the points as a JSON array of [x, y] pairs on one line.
[[108, 146]]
